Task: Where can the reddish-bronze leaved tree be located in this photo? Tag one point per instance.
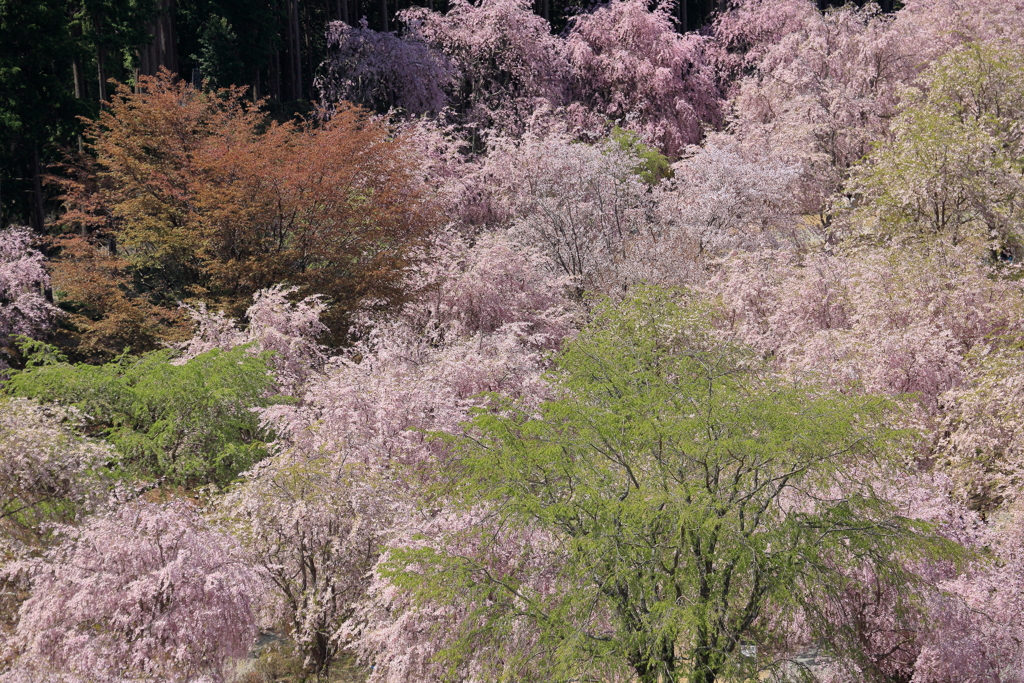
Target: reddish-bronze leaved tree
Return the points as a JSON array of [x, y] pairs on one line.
[[207, 198]]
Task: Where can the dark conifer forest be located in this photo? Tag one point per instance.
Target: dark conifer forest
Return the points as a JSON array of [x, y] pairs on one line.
[[480, 341]]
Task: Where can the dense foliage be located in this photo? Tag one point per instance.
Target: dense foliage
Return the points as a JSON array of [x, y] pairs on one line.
[[953, 164], [147, 592], [206, 198], [188, 424], [551, 343], [24, 310], [677, 502]]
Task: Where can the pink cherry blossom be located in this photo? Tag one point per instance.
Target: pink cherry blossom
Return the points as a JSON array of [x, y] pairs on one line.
[[631, 65], [148, 592], [24, 309], [382, 71], [288, 329]]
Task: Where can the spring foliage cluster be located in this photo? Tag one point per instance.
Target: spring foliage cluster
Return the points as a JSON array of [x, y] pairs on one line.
[[612, 354]]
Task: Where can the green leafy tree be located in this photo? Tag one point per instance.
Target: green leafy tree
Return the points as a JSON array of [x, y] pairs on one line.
[[219, 59], [190, 423], [955, 163], [653, 165], [691, 503]]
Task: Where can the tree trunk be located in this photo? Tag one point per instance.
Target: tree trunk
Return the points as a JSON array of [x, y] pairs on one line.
[[38, 213], [294, 54], [653, 674], [101, 74], [76, 73], [101, 58], [662, 669], [707, 662], [162, 50], [79, 77], [275, 76], [644, 672], [384, 15]]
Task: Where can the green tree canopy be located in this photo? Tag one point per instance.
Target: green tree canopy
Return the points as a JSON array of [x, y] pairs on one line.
[[694, 503], [955, 163], [190, 423]]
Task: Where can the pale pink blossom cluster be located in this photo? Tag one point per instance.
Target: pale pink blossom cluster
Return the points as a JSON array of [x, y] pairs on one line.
[[579, 203], [945, 327], [311, 526], [751, 27], [824, 91], [508, 62], [819, 89], [48, 474], [315, 516], [892, 321], [546, 207], [500, 69], [24, 309], [630, 65], [147, 592], [941, 25], [974, 628], [468, 286], [722, 199], [287, 329], [872, 613]]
